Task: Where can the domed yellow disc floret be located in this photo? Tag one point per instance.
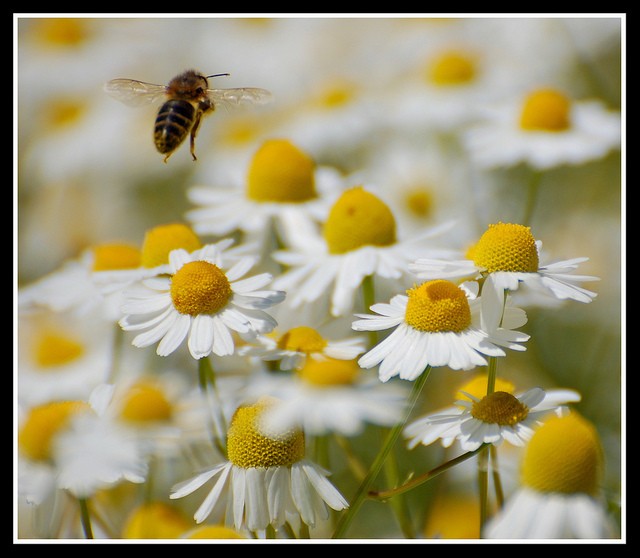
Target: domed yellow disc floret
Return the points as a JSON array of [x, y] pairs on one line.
[[500, 408], [477, 386], [564, 455], [250, 444], [357, 219], [329, 371], [437, 305], [43, 423], [55, 349], [200, 288], [452, 68], [506, 247], [145, 402], [281, 172], [115, 256], [302, 339], [159, 241], [155, 520], [546, 110], [418, 201]]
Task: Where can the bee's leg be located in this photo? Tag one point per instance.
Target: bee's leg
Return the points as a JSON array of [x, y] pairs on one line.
[[194, 132]]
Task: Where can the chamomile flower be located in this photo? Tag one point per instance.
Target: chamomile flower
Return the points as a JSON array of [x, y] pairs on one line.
[[544, 128], [281, 178], [490, 419], [200, 300], [328, 395], [358, 240], [560, 493], [73, 445], [266, 480], [293, 347], [439, 323], [509, 254]]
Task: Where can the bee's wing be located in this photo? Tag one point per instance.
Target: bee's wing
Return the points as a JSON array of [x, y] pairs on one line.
[[239, 96], [133, 92]]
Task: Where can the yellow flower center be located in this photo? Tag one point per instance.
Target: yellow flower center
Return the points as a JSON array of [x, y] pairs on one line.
[[281, 172], [500, 408], [161, 240], [200, 288], [329, 372], [55, 349], [250, 444], [61, 112], [546, 110], [564, 455], [115, 256], [477, 386], [506, 247], [437, 305], [357, 219], [452, 68], [43, 423], [213, 532], [155, 520], [455, 516], [302, 339], [145, 402], [419, 201], [61, 31], [337, 95]]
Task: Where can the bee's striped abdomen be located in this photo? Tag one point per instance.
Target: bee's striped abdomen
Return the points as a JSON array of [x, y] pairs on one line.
[[173, 124]]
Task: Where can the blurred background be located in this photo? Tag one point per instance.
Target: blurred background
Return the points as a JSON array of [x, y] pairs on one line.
[[360, 95]]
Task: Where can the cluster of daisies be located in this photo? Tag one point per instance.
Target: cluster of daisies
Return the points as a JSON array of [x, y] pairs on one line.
[[218, 378]]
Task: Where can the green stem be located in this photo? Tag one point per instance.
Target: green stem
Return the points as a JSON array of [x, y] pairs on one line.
[[376, 466], [369, 298], [495, 471], [483, 484], [417, 481], [399, 504], [356, 467], [85, 518], [207, 381], [532, 195], [492, 370]]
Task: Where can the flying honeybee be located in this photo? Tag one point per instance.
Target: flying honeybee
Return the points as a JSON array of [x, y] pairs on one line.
[[187, 98]]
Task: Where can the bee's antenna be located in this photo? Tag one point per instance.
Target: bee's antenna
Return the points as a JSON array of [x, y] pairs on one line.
[[217, 75]]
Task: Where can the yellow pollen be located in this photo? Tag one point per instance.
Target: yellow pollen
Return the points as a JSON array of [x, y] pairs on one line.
[[564, 455], [115, 256], [281, 172], [249, 445], [478, 386], [213, 532], [155, 520], [452, 68], [54, 349], [546, 110], [329, 372], [200, 288], [61, 31], [437, 306], [61, 112], [506, 247], [159, 241], [145, 402], [357, 219], [500, 408], [302, 339], [43, 423], [419, 202]]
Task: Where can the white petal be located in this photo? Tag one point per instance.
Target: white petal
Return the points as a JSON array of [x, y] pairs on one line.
[[201, 338], [175, 335], [210, 501]]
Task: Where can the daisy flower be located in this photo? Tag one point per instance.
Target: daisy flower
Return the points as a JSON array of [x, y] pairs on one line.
[[280, 179], [544, 128], [266, 480], [439, 323], [74, 445], [293, 347], [328, 395], [358, 240], [509, 254], [198, 299], [490, 419], [560, 492]]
